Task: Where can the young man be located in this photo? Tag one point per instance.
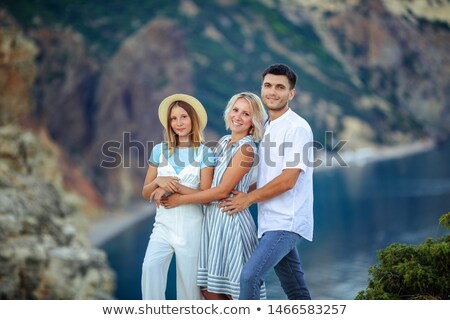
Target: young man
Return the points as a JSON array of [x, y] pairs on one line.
[[284, 191]]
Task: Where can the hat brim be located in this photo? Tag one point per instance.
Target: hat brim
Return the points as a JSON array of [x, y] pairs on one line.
[[198, 107]]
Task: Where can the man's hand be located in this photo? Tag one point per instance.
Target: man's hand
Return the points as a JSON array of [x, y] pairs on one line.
[[172, 201], [238, 203]]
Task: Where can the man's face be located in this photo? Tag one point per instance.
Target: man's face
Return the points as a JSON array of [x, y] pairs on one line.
[[275, 92]]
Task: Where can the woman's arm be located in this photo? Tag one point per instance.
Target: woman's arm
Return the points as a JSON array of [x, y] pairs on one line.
[[206, 176], [157, 196], [252, 187], [237, 168]]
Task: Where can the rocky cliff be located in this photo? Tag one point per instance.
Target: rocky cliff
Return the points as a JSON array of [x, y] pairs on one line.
[[398, 50], [44, 250], [373, 72], [147, 67], [77, 76], [64, 87]]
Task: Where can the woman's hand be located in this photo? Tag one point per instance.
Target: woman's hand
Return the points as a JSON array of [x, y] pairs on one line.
[[172, 201], [157, 195], [169, 184]]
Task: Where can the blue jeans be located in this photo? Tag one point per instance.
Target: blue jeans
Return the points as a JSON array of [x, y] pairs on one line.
[[276, 249]]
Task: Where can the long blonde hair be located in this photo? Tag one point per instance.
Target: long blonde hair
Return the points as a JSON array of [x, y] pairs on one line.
[[259, 113], [196, 135]]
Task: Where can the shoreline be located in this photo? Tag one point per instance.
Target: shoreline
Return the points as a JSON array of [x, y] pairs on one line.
[[112, 223], [361, 157]]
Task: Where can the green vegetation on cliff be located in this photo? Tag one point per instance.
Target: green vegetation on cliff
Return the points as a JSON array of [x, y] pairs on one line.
[[412, 271]]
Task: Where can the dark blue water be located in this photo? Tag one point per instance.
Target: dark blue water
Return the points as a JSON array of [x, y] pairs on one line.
[[358, 211]]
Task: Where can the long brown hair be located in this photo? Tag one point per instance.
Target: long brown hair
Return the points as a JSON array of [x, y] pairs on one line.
[[195, 137]]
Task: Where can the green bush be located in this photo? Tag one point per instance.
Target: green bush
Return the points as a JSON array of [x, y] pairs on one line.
[[412, 271]]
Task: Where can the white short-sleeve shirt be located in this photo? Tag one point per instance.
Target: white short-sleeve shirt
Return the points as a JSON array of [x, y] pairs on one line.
[[287, 143]]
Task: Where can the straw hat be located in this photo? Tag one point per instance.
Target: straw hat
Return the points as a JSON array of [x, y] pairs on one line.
[[198, 107]]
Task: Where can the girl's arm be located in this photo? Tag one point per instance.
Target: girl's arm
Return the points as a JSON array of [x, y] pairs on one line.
[[152, 182], [149, 183], [206, 176], [237, 168]]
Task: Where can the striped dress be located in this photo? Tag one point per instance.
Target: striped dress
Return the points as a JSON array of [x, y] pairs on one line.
[[226, 241]]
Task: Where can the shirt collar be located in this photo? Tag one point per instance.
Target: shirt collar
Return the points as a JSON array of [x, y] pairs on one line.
[[280, 118]]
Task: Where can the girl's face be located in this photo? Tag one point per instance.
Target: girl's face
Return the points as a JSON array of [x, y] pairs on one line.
[[240, 117], [181, 123]]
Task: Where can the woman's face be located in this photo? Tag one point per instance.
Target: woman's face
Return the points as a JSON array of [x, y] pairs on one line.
[[240, 117], [181, 123]]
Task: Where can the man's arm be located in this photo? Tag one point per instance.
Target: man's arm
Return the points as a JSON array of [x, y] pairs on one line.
[[280, 184]]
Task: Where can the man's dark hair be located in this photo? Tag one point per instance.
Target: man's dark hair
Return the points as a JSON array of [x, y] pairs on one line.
[[282, 70]]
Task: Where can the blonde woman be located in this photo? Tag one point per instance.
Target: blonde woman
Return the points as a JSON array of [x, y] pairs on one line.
[[228, 241], [181, 164]]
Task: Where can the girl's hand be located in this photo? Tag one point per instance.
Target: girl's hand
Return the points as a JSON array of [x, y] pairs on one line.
[[169, 184], [172, 201], [157, 195]]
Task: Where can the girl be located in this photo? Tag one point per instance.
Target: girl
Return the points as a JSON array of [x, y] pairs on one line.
[[181, 164], [228, 241]]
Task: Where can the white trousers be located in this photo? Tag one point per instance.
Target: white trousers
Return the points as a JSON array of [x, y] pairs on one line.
[[176, 231]]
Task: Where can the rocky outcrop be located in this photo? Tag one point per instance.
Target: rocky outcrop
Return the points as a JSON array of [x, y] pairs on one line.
[[431, 10], [394, 51], [149, 66], [405, 62], [17, 72], [44, 250], [65, 87]]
